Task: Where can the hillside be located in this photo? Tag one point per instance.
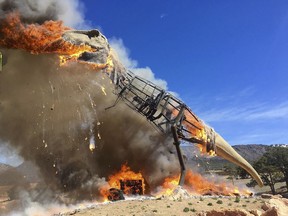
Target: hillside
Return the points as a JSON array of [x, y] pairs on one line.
[[4, 167], [251, 152], [24, 173]]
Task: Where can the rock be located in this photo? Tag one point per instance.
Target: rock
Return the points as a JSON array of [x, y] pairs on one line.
[[280, 205], [178, 194], [266, 206], [275, 207], [271, 212], [256, 212], [266, 196], [73, 212]]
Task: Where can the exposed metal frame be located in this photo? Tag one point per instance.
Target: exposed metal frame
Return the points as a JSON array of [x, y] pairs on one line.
[[168, 113]]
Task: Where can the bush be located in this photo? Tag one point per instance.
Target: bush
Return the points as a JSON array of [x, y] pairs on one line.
[[186, 209], [219, 202], [237, 199]]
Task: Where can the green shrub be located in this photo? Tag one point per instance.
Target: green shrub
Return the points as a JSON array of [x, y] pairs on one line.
[[210, 204], [193, 210], [186, 209], [219, 202], [237, 199]]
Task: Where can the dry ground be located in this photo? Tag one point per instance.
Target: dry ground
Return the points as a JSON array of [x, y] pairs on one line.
[[149, 206], [191, 206]]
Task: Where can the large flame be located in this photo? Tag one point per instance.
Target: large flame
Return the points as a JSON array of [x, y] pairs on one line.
[[197, 130], [125, 174], [44, 38], [199, 185], [195, 184], [36, 38]]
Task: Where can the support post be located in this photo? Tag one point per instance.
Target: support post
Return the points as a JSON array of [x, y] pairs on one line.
[[179, 154]]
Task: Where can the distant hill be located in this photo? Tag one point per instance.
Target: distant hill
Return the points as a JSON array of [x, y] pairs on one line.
[[24, 173], [4, 167], [251, 152]]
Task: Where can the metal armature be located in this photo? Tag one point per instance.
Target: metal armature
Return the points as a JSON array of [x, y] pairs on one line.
[[169, 114]]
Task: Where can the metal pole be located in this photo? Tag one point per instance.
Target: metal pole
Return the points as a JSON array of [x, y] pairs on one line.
[[179, 154]]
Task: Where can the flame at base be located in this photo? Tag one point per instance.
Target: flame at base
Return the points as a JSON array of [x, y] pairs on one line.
[[196, 184], [124, 175]]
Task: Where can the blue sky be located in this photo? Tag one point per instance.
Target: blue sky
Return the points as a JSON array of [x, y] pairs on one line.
[[228, 60]]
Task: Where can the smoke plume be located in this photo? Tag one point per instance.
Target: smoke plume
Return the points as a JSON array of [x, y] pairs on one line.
[[131, 64], [36, 11], [52, 114]]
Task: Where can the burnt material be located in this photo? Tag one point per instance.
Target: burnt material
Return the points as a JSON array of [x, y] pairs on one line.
[[115, 194], [134, 187]]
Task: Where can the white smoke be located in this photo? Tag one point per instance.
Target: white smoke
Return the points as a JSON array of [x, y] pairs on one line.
[[72, 13], [9, 155], [123, 55], [30, 207], [69, 11]]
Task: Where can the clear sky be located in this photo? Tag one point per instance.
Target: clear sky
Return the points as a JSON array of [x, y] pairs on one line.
[[228, 60]]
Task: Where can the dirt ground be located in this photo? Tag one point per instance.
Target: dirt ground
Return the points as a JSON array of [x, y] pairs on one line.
[[146, 206], [191, 206]]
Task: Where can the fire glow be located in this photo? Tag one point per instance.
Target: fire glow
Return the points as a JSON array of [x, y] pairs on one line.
[[36, 38], [195, 184], [44, 38], [124, 175]]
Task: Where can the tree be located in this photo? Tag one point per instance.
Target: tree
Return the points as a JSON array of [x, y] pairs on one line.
[[231, 172], [268, 171], [243, 174], [278, 158]]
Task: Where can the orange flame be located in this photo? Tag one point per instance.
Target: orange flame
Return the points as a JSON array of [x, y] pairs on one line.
[[36, 38], [197, 184], [125, 174], [197, 130], [44, 38]]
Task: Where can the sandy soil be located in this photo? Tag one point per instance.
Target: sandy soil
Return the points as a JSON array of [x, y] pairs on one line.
[[191, 206], [172, 205]]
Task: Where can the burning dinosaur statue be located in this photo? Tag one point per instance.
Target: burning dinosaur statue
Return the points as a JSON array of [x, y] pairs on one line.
[[169, 114]]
